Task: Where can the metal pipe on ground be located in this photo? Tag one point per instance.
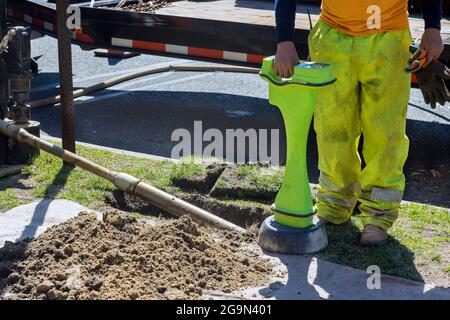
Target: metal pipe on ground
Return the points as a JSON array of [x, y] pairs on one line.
[[141, 73], [122, 181]]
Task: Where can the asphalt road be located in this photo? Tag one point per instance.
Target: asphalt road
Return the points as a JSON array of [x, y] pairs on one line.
[[140, 115]]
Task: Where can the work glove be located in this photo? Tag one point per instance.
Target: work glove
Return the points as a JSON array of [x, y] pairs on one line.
[[431, 83]]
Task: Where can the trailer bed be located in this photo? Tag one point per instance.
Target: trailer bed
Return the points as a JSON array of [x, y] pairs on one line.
[[261, 13], [234, 30]]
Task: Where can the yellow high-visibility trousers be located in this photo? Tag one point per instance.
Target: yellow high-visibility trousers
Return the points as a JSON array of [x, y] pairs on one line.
[[369, 98]]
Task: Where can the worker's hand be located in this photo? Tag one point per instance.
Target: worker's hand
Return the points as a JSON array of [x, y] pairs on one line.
[[431, 83], [285, 59], [432, 43]]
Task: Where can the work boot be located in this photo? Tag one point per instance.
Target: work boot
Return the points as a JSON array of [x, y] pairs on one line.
[[373, 236]]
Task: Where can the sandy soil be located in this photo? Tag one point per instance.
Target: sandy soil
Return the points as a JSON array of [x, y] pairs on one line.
[[124, 258]]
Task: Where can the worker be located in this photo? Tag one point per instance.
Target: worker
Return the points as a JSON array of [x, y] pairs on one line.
[[367, 42]]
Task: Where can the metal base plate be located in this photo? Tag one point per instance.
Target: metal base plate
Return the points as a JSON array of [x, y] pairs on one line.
[[277, 238]]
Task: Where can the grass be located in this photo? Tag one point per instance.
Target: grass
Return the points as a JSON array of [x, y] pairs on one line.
[[187, 168], [245, 203], [249, 181], [221, 183], [258, 177], [53, 180], [9, 199], [419, 239]]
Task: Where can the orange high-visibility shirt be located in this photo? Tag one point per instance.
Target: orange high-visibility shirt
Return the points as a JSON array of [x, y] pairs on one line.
[[362, 17]]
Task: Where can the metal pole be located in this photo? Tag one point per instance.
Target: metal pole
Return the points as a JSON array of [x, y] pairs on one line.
[[65, 77], [4, 83], [122, 181]]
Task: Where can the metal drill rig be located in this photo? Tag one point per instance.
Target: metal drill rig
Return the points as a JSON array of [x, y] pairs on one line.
[[16, 72]]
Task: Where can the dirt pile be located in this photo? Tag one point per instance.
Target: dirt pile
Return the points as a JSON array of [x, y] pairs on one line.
[[123, 258], [145, 6]]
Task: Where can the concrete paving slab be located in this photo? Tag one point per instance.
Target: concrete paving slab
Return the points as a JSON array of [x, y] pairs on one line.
[[310, 278], [30, 220]]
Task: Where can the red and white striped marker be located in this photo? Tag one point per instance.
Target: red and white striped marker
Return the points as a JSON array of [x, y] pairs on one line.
[[185, 50], [144, 45]]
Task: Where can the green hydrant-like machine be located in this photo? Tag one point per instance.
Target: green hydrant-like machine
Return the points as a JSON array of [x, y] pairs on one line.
[[294, 228]]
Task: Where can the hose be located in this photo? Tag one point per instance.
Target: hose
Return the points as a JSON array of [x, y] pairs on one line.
[[122, 181], [141, 73], [6, 39]]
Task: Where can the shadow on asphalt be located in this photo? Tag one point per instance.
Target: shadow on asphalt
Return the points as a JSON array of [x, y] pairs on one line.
[[46, 84], [143, 121]]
